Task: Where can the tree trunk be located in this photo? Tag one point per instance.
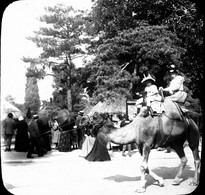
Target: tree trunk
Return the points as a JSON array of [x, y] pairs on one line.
[[69, 100], [69, 91]]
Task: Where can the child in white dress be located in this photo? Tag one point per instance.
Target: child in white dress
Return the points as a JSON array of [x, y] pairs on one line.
[[153, 99]]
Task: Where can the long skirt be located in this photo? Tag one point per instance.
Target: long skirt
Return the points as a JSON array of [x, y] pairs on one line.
[[87, 145], [22, 141], [55, 136], [64, 144], [179, 97], [99, 151]]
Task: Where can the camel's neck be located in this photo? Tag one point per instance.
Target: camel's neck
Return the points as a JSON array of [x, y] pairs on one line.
[[123, 135]]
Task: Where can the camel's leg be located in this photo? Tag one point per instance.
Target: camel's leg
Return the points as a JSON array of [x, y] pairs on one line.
[[160, 180], [180, 151], [197, 164], [193, 140], [144, 170]]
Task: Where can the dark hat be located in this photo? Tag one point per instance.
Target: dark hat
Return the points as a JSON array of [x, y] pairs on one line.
[[10, 115], [173, 69]]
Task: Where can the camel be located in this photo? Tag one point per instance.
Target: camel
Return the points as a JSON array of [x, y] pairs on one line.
[[150, 132]]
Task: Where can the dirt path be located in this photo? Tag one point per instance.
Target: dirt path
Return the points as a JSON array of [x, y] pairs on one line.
[[68, 174]]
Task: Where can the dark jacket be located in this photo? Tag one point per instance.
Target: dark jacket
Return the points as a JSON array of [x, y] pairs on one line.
[[33, 129], [9, 125]]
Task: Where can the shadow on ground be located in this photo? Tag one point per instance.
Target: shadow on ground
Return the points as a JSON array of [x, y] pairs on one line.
[[166, 173]]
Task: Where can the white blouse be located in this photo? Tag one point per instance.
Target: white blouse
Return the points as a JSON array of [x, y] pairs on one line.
[[176, 84]]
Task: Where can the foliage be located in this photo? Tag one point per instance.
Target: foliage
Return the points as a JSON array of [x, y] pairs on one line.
[[32, 99], [11, 99], [128, 39], [183, 18], [61, 40], [144, 48]]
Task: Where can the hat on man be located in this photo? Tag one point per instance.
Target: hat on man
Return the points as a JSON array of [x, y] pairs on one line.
[[10, 115], [81, 112], [20, 118], [146, 78], [35, 116], [173, 69]]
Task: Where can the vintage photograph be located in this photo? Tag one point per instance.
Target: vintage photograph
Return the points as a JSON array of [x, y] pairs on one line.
[[101, 97]]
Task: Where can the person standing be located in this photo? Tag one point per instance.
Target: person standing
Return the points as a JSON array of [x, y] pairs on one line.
[[123, 123], [55, 131], [9, 126], [89, 136], [99, 151], [80, 130], [45, 133], [35, 142], [22, 139]]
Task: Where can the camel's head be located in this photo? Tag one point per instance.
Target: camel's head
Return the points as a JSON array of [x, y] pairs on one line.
[[97, 118], [144, 112], [102, 119]]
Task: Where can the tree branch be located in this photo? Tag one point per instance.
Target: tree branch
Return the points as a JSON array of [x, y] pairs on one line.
[[48, 74]]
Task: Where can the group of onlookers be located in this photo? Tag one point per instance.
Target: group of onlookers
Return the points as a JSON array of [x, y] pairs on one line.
[[28, 137], [35, 136]]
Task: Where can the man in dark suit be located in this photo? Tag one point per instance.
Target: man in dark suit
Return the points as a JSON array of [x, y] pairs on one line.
[[9, 125], [35, 141]]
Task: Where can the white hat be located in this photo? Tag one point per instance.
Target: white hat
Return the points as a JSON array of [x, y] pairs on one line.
[[81, 112], [35, 116], [20, 118], [149, 77]]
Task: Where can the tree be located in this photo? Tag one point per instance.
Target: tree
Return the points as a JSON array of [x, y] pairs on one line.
[[183, 18], [32, 99], [11, 99], [61, 42], [121, 61]]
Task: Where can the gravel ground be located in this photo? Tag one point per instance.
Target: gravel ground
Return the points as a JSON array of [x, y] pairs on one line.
[[66, 173]]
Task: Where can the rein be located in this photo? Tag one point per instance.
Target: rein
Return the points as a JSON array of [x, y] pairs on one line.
[[169, 117], [160, 119]]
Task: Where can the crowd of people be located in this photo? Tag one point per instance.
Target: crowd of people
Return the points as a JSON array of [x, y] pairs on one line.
[[35, 137]]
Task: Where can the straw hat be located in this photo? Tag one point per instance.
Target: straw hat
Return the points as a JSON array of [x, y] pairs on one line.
[[146, 78]]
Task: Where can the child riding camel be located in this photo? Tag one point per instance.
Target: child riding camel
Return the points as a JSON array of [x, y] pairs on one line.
[[153, 99]]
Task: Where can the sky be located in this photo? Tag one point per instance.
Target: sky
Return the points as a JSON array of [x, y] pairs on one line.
[[19, 20]]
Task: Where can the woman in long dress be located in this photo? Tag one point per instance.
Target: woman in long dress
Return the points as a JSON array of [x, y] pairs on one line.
[[99, 151], [22, 139], [67, 134], [90, 136], [55, 132]]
